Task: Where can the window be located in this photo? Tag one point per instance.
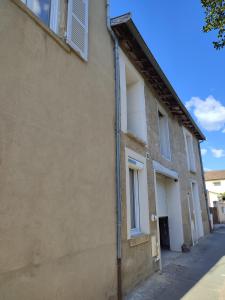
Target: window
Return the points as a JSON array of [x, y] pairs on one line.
[[189, 151], [217, 183], [164, 134], [223, 209], [133, 114], [48, 11], [134, 201], [136, 194]]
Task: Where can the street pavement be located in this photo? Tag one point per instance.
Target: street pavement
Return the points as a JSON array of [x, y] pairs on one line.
[[197, 275]]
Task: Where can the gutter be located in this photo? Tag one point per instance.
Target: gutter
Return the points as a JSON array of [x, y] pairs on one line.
[[118, 150], [204, 186]]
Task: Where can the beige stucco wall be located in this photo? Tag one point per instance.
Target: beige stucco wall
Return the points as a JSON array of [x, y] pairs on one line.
[[137, 261], [57, 193]]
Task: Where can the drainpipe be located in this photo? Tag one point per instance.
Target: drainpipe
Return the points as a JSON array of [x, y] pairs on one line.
[[204, 186], [118, 145]]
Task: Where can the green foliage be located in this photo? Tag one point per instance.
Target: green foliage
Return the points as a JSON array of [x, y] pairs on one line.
[[215, 20], [222, 196]]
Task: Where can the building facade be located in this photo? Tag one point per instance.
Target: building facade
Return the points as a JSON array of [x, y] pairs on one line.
[[60, 226], [163, 196], [57, 196], [215, 184]]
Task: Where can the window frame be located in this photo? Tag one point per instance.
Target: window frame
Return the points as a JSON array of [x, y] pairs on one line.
[[164, 114], [135, 230], [127, 67], [191, 168], [54, 11], [138, 163]]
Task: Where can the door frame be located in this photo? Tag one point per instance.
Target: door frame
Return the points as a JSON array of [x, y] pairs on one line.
[[197, 210], [171, 174]]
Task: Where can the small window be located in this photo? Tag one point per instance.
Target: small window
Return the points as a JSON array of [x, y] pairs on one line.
[[189, 151], [217, 183], [223, 209], [164, 135], [134, 201]]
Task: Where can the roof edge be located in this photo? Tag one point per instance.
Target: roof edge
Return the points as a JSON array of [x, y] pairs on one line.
[[126, 19]]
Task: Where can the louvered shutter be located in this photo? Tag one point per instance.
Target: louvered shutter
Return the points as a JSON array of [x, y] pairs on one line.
[[77, 26]]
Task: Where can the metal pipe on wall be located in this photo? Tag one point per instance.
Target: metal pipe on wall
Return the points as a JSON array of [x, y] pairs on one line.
[[118, 147]]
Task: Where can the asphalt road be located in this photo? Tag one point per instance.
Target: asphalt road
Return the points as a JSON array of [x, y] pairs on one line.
[[197, 275]]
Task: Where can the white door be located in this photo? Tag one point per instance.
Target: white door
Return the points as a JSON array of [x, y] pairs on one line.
[[197, 212]]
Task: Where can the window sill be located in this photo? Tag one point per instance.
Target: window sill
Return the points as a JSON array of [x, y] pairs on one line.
[[166, 158], [139, 239], [55, 37], [137, 139]]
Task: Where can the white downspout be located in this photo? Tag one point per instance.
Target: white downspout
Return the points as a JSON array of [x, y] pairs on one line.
[[118, 147]]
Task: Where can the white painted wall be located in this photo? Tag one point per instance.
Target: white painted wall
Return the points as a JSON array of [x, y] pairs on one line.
[[175, 215], [168, 202], [212, 197], [133, 114], [197, 210], [136, 121], [216, 189], [162, 209]]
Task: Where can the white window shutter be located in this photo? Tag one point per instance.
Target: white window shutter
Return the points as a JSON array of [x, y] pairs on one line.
[[77, 26]]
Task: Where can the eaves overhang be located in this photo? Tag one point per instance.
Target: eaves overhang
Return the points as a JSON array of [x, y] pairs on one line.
[[132, 43]]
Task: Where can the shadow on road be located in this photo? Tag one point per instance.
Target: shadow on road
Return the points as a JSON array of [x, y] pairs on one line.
[[199, 274]]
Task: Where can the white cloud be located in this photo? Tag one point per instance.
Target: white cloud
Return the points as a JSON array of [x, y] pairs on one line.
[[210, 113], [223, 131], [204, 151], [207, 169], [218, 153]]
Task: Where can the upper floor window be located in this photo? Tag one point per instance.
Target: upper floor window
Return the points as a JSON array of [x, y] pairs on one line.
[[164, 134], [46, 10], [76, 26], [133, 114], [189, 150], [217, 183]]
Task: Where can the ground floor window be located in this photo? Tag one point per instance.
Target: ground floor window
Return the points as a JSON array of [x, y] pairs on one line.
[[134, 201], [136, 194]]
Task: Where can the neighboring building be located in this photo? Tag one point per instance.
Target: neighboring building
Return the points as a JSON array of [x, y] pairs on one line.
[[57, 149], [163, 195], [215, 184]]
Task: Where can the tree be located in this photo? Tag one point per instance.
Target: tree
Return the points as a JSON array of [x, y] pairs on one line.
[[215, 20], [222, 197]]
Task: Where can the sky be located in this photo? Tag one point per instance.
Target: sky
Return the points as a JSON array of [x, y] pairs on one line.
[[173, 32]]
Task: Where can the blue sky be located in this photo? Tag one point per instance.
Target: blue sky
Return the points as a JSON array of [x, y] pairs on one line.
[[172, 30]]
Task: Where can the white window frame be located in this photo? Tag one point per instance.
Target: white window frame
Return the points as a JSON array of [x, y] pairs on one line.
[[137, 162], [136, 229], [125, 65], [197, 209], [54, 11], [165, 115], [191, 168]]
